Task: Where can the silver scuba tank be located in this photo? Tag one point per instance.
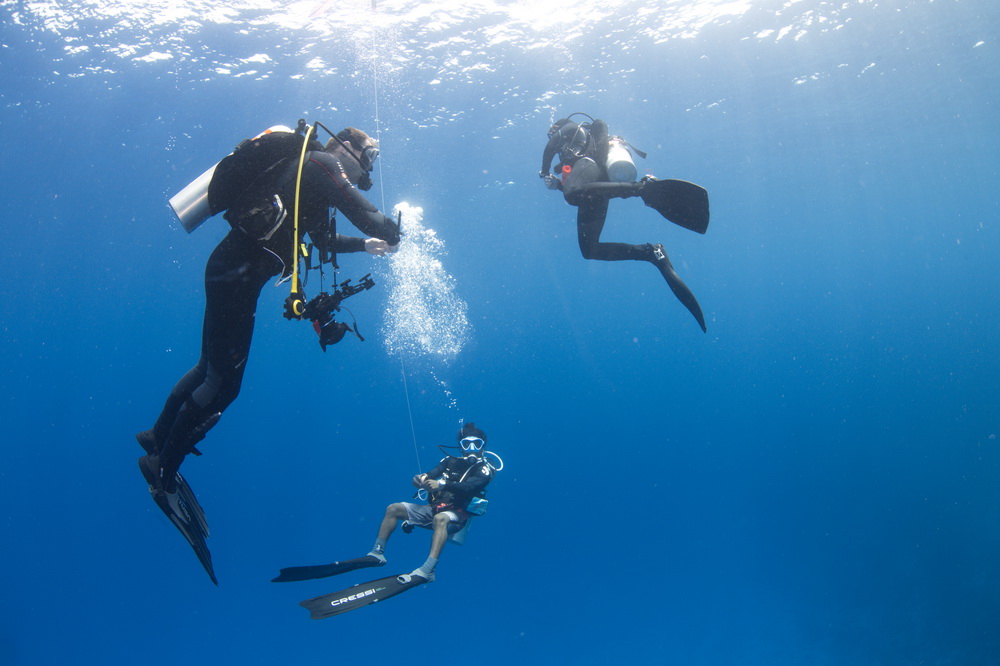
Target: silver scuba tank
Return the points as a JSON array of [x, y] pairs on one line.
[[621, 168], [190, 205]]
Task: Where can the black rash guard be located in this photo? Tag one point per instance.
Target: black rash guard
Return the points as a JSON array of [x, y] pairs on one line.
[[465, 478], [237, 270]]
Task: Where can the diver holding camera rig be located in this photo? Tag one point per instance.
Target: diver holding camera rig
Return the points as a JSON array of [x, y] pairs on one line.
[[274, 189]]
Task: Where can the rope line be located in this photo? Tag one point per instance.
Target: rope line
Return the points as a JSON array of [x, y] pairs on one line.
[[381, 187]]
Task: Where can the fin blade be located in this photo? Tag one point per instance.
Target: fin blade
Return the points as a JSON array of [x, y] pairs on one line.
[[683, 203], [193, 505], [193, 526], [293, 574], [357, 596], [680, 289]]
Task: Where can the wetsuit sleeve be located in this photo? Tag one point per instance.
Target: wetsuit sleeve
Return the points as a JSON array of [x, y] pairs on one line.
[[601, 190], [549, 154], [564, 129], [327, 181], [345, 244], [442, 466]]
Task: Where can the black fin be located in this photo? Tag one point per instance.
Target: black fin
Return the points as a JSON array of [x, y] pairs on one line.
[[186, 514], [292, 574], [683, 203], [676, 284], [357, 596], [188, 496]]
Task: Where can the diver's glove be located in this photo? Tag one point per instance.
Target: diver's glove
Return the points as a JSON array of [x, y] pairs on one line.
[[551, 181]]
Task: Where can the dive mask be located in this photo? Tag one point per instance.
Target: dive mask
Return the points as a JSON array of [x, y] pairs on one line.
[[577, 143], [368, 157], [472, 444]]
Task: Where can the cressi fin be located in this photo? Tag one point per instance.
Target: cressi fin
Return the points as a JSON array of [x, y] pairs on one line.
[[358, 596], [292, 574], [683, 203]]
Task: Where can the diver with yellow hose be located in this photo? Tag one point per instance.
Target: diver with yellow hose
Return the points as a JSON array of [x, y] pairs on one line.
[[276, 189]]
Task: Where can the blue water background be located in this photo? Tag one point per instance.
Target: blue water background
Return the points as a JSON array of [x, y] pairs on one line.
[[813, 481]]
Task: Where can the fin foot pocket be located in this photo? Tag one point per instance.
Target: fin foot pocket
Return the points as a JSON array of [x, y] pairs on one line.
[[417, 577]]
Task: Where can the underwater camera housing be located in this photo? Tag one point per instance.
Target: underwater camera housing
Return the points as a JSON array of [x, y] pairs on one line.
[[320, 311]]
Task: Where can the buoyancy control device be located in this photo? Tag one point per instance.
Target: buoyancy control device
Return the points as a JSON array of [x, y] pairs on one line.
[[220, 186]]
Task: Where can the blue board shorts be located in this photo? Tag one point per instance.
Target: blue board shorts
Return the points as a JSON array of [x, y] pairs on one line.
[[422, 515]]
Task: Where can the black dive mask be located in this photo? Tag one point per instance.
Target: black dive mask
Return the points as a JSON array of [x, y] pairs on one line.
[[577, 142], [368, 157], [367, 163]]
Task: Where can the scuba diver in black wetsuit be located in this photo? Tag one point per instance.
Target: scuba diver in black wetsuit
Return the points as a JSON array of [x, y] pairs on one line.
[[260, 245], [594, 168]]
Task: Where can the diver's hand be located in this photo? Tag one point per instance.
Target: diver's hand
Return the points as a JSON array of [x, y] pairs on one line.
[[550, 181], [432, 484], [418, 480], [378, 247], [390, 231]]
